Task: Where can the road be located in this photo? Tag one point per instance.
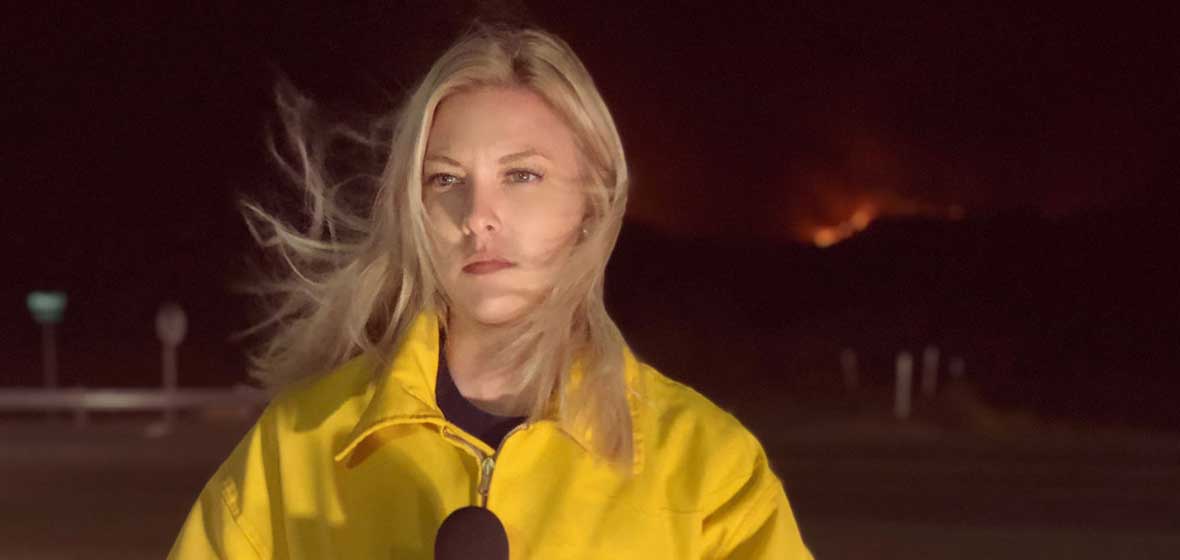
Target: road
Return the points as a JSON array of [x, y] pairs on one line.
[[863, 492], [109, 491]]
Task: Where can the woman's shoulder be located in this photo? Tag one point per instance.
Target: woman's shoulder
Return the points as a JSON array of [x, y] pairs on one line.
[[703, 460], [676, 405], [681, 424]]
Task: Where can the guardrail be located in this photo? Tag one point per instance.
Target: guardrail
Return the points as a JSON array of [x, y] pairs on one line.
[[81, 401]]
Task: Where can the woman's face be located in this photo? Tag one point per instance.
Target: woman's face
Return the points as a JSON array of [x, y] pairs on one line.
[[501, 185]]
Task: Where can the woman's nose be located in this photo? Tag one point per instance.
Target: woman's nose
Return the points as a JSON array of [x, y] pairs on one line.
[[483, 207]]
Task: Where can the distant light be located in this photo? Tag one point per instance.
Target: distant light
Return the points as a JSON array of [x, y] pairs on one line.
[[47, 307]]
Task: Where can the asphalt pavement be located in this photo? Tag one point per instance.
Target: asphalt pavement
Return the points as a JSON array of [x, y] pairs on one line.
[[859, 490]]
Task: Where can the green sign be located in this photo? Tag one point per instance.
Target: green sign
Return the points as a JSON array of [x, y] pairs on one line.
[[47, 307]]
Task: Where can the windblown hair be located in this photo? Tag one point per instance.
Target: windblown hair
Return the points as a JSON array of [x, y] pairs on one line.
[[357, 274]]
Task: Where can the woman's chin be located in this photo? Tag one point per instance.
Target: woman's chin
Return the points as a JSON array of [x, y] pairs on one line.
[[498, 311]]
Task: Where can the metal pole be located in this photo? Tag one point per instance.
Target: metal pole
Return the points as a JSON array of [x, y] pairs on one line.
[[170, 382], [49, 356]]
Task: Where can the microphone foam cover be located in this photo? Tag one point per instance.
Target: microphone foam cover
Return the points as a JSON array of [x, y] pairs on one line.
[[471, 532]]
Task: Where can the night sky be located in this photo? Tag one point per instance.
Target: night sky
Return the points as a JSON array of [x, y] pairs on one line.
[[130, 132]]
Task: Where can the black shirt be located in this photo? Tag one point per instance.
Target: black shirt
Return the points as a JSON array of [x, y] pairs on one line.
[[455, 407]]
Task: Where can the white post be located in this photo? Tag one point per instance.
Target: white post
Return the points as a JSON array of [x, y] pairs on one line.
[[903, 385], [929, 371], [958, 368], [848, 367]]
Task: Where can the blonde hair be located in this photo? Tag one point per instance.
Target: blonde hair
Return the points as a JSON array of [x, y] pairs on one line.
[[358, 274]]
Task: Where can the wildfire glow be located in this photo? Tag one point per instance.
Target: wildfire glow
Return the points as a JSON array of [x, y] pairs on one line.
[[863, 212], [827, 236], [858, 177]]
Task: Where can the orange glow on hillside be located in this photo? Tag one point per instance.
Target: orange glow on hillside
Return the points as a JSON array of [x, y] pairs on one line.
[[826, 236], [860, 211], [855, 177]]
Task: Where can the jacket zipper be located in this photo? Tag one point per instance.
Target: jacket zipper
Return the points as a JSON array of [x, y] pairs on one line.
[[487, 463], [487, 466]]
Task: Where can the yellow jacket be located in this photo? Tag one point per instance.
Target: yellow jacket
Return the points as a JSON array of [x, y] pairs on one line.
[[345, 466]]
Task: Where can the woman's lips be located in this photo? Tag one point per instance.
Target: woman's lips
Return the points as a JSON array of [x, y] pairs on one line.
[[486, 267]]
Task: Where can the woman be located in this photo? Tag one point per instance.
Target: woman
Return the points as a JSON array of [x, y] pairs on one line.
[[472, 359]]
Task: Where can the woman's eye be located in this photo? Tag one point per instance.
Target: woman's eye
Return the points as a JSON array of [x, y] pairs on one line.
[[443, 180], [523, 176]]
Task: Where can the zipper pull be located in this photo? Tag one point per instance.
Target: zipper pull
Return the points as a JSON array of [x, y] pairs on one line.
[[485, 477]]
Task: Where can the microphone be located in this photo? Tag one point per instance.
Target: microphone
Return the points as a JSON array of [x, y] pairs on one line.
[[471, 532]]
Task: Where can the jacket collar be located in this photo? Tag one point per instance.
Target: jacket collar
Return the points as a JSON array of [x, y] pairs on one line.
[[405, 392]]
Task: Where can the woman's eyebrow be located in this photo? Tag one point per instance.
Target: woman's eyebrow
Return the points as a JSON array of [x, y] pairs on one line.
[[442, 159], [521, 155]]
